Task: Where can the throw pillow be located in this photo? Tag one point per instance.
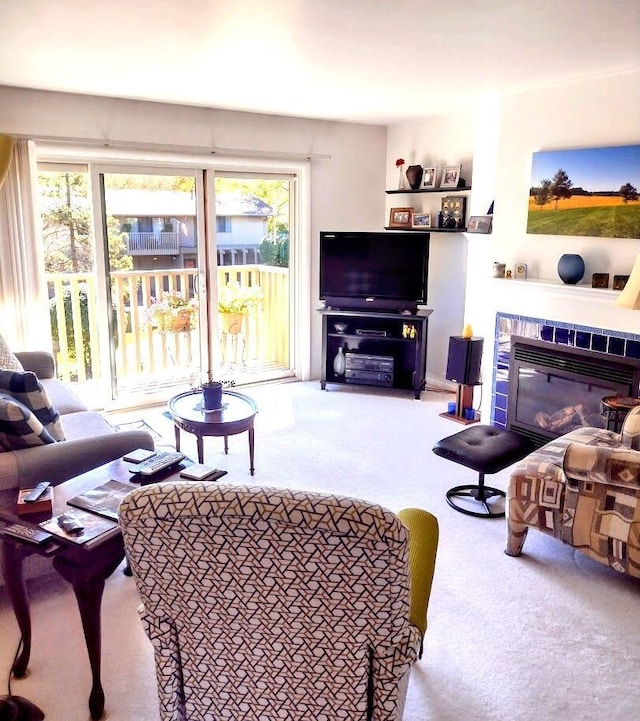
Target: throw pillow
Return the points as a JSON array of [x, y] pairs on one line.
[[19, 428], [26, 388], [7, 358]]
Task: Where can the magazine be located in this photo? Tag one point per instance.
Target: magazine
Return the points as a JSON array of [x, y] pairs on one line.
[[103, 500], [93, 526]]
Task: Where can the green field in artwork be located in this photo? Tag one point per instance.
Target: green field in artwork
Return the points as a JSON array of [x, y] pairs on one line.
[[608, 221]]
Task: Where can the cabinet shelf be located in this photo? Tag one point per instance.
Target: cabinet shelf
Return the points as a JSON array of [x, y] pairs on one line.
[[429, 190]]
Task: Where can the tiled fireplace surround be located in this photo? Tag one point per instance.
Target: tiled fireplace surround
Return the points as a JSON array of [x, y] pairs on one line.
[[613, 343]]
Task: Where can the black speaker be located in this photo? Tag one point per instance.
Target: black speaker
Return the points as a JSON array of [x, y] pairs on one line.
[[465, 357]]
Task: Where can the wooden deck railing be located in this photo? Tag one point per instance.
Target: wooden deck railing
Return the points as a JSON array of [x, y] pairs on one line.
[[143, 351]]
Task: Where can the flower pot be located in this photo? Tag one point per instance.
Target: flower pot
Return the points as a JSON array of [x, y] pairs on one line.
[[176, 321], [212, 396], [571, 268], [231, 322]]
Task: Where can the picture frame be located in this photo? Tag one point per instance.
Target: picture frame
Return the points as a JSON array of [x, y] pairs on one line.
[[421, 220], [520, 271], [600, 280], [480, 224], [400, 217], [450, 176], [429, 176], [619, 281]]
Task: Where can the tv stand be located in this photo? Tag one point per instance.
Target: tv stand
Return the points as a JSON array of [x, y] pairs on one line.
[[380, 348]]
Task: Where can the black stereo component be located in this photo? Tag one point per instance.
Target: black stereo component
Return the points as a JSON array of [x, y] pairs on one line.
[[374, 333], [465, 358], [373, 370]]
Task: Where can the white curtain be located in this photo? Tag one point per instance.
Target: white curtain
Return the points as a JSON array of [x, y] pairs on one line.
[[24, 314]]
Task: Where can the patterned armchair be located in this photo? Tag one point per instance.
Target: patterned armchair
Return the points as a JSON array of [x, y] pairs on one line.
[[583, 488], [263, 603]]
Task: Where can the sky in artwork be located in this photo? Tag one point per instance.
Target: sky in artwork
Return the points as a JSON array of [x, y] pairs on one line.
[[594, 169]]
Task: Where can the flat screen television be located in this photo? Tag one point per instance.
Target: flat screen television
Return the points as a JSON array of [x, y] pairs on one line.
[[374, 270]]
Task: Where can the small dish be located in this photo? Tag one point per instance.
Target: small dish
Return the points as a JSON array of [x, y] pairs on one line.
[[340, 327]]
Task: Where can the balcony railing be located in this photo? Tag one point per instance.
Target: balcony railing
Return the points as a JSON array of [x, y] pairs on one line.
[[153, 244], [147, 356]]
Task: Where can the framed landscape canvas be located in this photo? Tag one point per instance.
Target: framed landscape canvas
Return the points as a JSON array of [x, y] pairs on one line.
[[588, 191]]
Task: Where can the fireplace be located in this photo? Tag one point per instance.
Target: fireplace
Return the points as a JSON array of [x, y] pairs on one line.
[[554, 388]]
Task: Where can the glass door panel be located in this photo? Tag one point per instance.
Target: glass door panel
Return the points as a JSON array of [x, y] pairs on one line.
[[253, 232], [152, 265]]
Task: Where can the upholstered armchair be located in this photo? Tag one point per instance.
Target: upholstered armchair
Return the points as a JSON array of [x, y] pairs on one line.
[[584, 489], [266, 603]]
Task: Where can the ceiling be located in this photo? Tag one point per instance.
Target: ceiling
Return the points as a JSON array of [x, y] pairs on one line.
[[372, 61]]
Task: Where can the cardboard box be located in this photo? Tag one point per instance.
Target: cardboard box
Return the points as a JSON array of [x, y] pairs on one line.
[[44, 504]]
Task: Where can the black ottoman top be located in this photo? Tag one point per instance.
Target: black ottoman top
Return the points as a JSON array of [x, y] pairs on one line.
[[484, 448]]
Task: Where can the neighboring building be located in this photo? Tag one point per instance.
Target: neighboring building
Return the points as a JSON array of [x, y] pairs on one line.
[[163, 223]]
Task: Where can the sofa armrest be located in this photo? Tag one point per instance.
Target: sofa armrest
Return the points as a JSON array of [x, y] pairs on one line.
[[40, 362], [57, 462], [598, 464], [422, 546]]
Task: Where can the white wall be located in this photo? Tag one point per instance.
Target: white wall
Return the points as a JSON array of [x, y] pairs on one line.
[[439, 141], [347, 189], [500, 134]]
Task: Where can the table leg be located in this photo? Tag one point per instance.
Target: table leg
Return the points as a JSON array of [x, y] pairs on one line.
[[12, 556], [177, 432], [200, 447], [226, 445], [251, 446], [88, 586]]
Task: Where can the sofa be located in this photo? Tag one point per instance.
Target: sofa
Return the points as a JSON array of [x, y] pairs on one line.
[[582, 488], [89, 440]]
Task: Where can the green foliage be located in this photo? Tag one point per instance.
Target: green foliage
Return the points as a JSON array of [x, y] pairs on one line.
[[275, 252], [560, 186], [241, 300], [616, 221], [628, 192], [68, 318], [542, 195]]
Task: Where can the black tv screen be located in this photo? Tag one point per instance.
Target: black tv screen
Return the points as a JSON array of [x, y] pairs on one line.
[[382, 270]]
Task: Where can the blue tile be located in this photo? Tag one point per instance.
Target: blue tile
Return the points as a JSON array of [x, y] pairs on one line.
[[599, 343], [633, 349], [583, 340], [502, 387], [564, 336], [546, 332], [616, 346], [500, 418]]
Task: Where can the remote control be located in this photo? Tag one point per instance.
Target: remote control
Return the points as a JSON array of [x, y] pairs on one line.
[[26, 533], [162, 460], [36, 492]]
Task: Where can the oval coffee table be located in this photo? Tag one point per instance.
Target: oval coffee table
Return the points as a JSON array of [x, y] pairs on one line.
[[235, 416]]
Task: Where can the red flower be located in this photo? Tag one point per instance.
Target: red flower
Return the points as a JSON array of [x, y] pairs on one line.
[[399, 162]]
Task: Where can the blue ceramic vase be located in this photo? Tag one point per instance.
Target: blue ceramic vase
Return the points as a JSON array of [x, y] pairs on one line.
[[571, 268]]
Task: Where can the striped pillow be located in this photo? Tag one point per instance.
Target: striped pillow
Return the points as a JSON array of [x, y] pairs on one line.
[[19, 427], [26, 388]]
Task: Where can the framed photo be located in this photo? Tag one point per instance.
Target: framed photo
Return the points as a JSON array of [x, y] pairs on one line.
[[520, 271], [400, 217], [421, 220], [619, 281], [479, 224], [450, 176], [429, 177], [600, 280], [453, 212]]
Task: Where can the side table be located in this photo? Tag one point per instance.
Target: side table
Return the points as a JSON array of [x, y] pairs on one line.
[[615, 409]]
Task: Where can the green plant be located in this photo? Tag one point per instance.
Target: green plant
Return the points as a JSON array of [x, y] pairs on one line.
[[235, 299], [172, 311]]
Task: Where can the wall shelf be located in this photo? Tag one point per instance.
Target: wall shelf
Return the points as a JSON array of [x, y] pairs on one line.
[[427, 230], [429, 190]]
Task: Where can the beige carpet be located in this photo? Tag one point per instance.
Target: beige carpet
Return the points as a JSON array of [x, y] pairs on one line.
[[551, 635]]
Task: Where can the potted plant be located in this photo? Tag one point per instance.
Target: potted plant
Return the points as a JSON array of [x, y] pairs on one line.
[[235, 302], [171, 311], [212, 392]]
